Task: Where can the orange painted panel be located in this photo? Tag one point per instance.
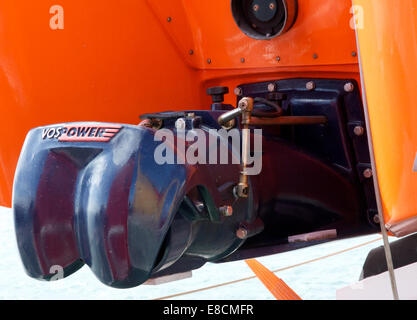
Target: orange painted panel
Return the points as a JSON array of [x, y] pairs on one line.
[[115, 60], [388, 48]]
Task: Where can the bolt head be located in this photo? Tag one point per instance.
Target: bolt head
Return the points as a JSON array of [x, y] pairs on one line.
[[359, 131], [368, 173], [349, 87], [242, 233], [180, 124], [272, 6], [255, 7], [238, 91], [227, 211], [242, 60], [208, 61], [376, 218], [311, 85], [278, 58], [272, 87]]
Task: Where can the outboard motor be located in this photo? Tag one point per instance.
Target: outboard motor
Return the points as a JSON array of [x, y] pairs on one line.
[[140, 202], [93, 193]]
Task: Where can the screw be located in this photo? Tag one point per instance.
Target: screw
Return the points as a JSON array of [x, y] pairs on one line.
[[242, 233], [227, 211], [315, 56], [376, 219], [359, 131], [272, 87], [349, 87], [208, 61], [354, 54], [278, 58], [271, 6], [368, 173], [180, 124], [191, 52], [311, 85], [238, 91], [169, 19], [256, 7], [242, 60]]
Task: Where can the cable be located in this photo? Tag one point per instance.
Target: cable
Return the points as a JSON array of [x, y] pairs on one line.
[[274, 271]]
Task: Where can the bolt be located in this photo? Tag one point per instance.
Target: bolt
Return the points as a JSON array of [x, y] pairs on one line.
[[229, 125], [180, 124], [278, 58], [146, 123], [354, 54], [238, 91], [256, 7], [242, 233], [199, 205], [191, 52], [272, 6], [272, 87], [242, 60], [208, 61], [227, 211], [349, 87], [376, 219], [311, 85], [368, 173], [359, 131], [315, 56], [169, 19]]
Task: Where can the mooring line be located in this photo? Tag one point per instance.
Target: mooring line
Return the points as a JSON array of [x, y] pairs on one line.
[[274, 271]]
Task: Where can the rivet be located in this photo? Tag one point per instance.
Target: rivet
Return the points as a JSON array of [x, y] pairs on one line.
[[278, 58], [180, 124], [368, 173], [272, 87], [311, 85], [242, 60], [208, 61], [272, 6], [169, 19], [315, 56], [349, 87], [242, 233], [191, 52], [238, 91], [359, 131], [255, 7]]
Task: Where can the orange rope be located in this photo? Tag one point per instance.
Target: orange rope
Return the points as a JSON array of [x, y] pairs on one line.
[[274, 271], [275, 285]]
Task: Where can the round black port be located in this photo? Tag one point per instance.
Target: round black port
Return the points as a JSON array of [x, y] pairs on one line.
[[264, 19]]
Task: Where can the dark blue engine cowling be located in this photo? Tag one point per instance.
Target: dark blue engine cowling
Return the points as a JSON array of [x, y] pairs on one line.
[[105, 202]]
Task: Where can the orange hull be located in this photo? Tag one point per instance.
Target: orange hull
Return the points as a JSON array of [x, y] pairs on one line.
[[389, 62]]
